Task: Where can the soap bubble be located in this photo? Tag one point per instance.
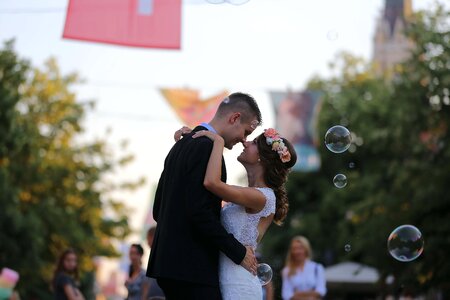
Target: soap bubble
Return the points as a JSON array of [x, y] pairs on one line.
[[405, 243], [264, 272], [338, 139], [332, 35], [340, 181], [237, 2], [234, 2]]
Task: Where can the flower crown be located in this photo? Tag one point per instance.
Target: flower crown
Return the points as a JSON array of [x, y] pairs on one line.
[[273, 139]]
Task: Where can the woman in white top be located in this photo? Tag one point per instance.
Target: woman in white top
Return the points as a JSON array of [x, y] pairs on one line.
[[302, 277]]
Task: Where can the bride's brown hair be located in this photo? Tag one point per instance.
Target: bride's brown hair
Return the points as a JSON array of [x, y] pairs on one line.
[[275, 174]]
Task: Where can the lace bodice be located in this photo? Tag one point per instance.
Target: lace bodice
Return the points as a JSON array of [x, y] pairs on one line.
[[236, 283], [244, 226]]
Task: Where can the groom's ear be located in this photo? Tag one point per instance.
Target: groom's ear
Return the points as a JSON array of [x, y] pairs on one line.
[[234, 117]]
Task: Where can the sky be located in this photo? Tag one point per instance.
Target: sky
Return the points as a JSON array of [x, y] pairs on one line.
[[256, 47]]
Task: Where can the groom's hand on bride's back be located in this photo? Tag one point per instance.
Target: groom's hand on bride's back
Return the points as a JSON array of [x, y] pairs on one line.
[[249, 261]]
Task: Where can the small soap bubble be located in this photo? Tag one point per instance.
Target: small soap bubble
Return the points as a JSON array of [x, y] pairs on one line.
[[237, 2], [264, 273], [340, 181], [332, 35]]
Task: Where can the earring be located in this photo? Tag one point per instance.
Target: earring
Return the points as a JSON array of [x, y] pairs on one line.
[[259, 160]]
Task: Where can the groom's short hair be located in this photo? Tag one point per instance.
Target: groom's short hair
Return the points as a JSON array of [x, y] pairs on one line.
[[243, 103]]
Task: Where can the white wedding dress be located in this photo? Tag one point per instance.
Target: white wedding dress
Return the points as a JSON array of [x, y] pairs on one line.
[[235, 281]]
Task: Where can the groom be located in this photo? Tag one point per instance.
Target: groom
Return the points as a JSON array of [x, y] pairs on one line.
[[189, 235]]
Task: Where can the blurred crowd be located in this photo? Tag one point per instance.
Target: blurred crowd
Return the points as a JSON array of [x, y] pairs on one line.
[[302, 278]]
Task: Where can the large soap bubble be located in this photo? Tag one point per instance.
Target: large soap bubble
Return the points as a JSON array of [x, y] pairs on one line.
[[405, 243], [338, 139]]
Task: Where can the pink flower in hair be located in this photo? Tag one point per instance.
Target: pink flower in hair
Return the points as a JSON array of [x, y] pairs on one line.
[[272, 133], [274, 140]]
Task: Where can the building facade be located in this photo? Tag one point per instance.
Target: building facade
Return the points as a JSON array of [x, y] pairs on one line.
[[390, 45]]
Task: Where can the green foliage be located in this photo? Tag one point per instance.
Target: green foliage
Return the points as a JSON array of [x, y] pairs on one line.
[[54, 189], [402, 160]]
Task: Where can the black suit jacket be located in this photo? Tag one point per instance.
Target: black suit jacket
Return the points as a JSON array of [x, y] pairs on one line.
[[189, 234]]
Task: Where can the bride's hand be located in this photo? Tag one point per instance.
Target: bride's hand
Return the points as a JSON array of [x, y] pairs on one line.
[[209, 134], [181, 132]]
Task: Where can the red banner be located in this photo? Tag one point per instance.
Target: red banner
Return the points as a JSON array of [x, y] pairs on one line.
[[138, 23]]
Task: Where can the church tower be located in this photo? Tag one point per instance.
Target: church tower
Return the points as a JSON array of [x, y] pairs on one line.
[[390, 46]]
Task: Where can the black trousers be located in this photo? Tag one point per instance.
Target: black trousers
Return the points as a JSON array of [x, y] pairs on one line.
[[183, 290]]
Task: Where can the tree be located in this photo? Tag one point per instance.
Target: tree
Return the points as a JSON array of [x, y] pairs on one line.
[[54, 189], [401, 160]]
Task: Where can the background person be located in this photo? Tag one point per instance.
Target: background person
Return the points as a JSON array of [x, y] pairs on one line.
[[136, 284], [302, 278], [66, 278]]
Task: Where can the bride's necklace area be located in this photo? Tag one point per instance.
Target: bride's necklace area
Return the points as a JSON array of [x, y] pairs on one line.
[[258, 186], [255, 180]]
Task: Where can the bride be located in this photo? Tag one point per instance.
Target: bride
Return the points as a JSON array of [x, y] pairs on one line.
[[250, 210]]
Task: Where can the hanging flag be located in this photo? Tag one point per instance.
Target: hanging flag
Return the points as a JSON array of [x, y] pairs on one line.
[[296, 118], [190, 108], [138, 23]]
